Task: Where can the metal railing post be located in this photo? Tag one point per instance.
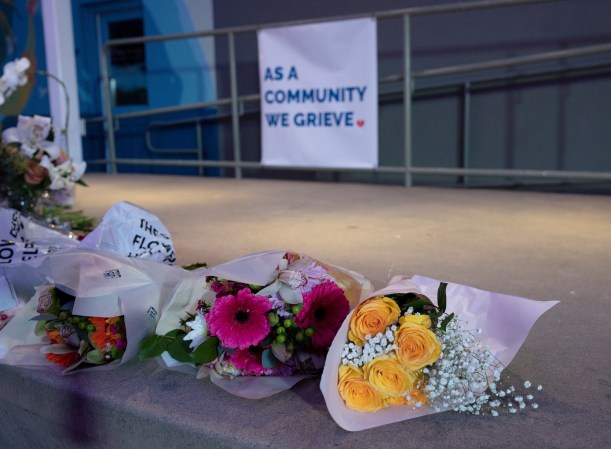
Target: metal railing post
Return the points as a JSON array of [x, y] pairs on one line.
[[112, 150], [407, 100], [466, 128], [235, 113]]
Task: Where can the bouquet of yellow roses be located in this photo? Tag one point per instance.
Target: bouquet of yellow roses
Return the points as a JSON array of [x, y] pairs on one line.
[[400, 355]]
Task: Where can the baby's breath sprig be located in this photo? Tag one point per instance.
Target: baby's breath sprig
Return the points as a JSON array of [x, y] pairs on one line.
[[466, 377]]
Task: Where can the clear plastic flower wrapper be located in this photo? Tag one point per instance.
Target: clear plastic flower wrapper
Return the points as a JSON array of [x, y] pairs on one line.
[[92, 311], [420, 346], [258, 324]]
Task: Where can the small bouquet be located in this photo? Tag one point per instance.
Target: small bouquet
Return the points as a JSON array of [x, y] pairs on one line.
[[401, 355], [91, 310], [31, 163], [76, 341], [268, 315]]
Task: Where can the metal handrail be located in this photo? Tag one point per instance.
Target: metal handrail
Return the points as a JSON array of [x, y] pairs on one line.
[[407, 81]]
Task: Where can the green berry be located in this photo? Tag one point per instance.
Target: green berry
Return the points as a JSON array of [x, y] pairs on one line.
[[280, 339], [295, 309], [299, 336], [288, 323], [82, 325], [309, 331], [290, 347], [63, 315], [280, 330], [90, 327], [76, 319]]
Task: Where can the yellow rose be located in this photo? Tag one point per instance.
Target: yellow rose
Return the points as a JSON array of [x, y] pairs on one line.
[[371, 317], [356, 392], [388, 376], [417, 346], [423, 320]]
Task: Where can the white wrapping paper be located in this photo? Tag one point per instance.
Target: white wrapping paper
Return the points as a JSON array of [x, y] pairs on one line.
[[258, 269], [504, 320], [22, 238], [132, 231]]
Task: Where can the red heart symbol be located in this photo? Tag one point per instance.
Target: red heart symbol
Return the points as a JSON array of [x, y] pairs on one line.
[[360, 123]]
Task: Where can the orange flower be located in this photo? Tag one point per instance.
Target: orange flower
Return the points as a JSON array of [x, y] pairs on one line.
[[417, 346], [99, 337], [371, 317], [388, 376], [54, 336], [356, 392], [63, 359], [102, 336]]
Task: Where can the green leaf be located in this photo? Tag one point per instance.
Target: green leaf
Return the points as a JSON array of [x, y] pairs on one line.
[[194, 266], [152, 347], [268, 360], [177, 350], [417, 304], [40, 328], [95, 357], [441, 296], [174, 333], [446, 321], [206, 352]]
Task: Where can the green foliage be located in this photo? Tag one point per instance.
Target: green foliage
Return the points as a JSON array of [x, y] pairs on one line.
[[95, 357], [62, 214], [174, 343], [195, 266], [419, 303], [152, 347], [206, 352]]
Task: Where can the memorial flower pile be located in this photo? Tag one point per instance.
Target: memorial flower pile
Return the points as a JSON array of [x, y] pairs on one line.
[[279, 329], [31, 162], [76, 341], [404, 350]]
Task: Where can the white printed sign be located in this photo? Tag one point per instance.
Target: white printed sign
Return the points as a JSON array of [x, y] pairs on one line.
[[319, 94]]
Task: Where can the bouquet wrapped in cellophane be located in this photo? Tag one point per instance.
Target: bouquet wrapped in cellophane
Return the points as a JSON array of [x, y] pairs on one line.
[[421, 346], [92, 304], [93, 311], [258, 324]]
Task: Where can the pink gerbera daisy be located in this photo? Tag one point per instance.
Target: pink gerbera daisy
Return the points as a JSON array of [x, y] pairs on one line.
[[324, 309], [239, 321], [248, 361]]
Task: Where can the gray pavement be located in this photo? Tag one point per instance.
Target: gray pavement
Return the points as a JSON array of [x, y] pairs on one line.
[[536, 245]]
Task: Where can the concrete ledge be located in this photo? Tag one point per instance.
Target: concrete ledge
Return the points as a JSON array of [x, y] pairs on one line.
[[541, 246]]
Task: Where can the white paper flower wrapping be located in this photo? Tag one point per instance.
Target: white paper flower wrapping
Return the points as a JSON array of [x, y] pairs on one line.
[[503, 319], [257, 269], [23, 238], [132, 231], [104, 285]]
